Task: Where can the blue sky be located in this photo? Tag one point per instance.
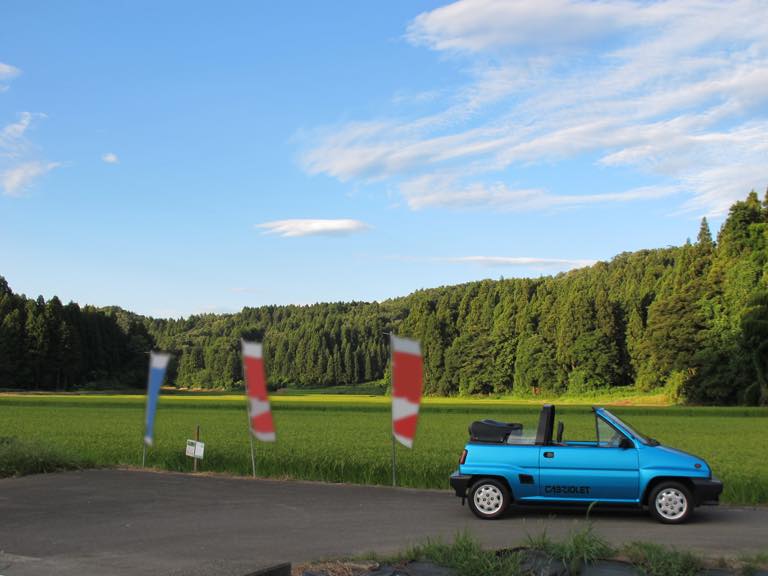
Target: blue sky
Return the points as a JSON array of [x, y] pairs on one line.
[[177, 158]]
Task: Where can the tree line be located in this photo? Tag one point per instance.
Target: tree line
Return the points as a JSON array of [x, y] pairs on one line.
[[691, 319]]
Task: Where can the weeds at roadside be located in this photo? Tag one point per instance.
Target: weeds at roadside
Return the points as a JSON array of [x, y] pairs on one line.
[[659, 560], [582, 546], [464, 555], [749, 564]]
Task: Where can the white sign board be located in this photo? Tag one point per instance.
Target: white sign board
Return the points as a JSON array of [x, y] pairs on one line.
[[195, 449]]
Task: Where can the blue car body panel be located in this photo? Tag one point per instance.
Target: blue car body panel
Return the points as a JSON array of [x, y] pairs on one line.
[[508, 462], [586, 472]]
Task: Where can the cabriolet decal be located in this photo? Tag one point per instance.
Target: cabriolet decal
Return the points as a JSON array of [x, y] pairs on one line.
[[567, 490]]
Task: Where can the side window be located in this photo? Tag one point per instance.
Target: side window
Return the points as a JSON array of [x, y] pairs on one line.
[[607, 435]]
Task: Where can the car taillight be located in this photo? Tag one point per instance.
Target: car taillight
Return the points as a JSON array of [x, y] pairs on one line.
[[463, 456]]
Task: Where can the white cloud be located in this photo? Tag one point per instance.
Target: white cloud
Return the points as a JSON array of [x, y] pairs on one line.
[[477, 25], [247, 290], [18, 166], [524, 261], [19, 178], [313, 227], [433, 190], [7, 72], [110, 158], [674, 90], [12, 141], [527, 262]]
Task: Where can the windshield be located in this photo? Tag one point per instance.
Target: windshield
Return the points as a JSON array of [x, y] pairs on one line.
[[642, 437]]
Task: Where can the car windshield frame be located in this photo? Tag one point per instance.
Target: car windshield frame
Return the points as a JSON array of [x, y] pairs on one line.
[[647, 440]]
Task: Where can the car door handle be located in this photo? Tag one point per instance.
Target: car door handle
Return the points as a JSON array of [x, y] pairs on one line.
[[549, 454]]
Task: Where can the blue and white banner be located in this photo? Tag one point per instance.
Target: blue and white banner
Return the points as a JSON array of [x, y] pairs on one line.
[[158, 362]]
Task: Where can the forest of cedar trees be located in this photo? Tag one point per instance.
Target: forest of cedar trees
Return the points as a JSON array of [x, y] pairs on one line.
[[691, 320]]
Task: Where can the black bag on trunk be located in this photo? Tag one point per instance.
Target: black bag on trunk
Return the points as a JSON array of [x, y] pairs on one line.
[[493, 431]]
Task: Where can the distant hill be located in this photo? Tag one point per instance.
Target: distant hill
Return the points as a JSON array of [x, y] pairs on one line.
[[693, 319]]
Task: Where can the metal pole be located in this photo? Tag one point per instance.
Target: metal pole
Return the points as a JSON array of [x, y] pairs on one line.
[[253, 456], [144, 454], [250, 434], [392, 382], [394, 463]]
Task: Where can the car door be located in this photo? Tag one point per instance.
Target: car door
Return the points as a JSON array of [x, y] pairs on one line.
[[591, 470]]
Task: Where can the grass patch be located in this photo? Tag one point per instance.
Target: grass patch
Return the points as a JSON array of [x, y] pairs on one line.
[[659, 560], [20, 458]]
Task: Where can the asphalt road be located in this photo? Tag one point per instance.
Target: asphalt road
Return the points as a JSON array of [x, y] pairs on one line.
[[135, 522]]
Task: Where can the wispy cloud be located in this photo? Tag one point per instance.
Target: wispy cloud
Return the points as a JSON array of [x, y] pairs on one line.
[[110, 158], [247, 290], [18, 179], [526, 262], [12, 136], [313, 227], [479, 25], [674, 90], [520, 261], [19, 167], [448, 191], [7, 72]]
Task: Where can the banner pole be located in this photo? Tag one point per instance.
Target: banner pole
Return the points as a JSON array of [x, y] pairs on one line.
[[250, 434], [392, 386], [394, 463], [253, 455]]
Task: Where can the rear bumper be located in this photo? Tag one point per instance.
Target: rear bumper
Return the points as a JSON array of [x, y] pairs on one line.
[[707, 491], [460, 483]]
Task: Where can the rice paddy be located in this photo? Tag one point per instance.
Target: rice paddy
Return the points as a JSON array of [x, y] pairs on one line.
[[345, 438]]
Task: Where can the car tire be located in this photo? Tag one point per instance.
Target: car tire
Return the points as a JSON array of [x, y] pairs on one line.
[[671, 503], [489, 498]]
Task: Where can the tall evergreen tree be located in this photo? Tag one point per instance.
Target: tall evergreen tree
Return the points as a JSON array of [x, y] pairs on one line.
[[704, 238]]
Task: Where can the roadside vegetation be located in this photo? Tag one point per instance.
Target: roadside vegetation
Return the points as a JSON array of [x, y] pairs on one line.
[[582, 547], [346, 438], [24, 457]]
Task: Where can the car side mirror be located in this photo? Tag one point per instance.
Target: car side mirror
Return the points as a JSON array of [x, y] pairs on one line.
[[625, 443]]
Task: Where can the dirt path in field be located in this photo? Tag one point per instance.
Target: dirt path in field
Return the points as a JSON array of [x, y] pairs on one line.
[[133, 522]]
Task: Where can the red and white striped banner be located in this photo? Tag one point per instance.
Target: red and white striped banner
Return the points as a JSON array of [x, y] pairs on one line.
[[407, 381], [259, 412]]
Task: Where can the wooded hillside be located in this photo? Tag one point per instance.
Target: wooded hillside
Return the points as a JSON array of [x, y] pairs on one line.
[[692, 318]]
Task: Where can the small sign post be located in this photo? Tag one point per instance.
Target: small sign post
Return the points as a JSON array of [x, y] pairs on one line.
[[195, 449]]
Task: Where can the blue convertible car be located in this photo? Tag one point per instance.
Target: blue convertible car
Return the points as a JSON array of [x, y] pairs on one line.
[[620, 466]]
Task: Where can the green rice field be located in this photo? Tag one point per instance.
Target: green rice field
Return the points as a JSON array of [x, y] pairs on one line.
[[345, 438]]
